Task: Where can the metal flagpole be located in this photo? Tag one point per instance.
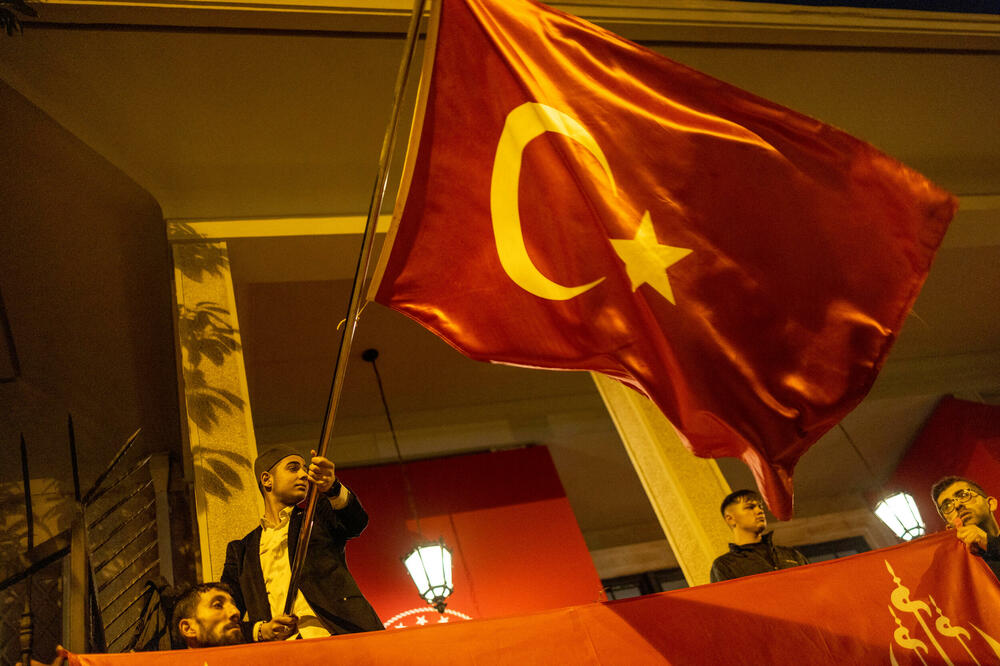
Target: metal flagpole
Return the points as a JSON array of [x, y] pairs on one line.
[[350, 324]]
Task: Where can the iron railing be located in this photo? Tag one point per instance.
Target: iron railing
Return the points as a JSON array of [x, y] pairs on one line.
[[121, 531], [94, 587]]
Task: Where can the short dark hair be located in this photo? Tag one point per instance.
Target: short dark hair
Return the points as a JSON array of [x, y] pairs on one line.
[[186, 605], [738, 496], [947, 481]]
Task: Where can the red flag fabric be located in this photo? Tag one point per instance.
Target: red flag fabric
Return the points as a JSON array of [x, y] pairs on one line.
[[573, 200], [924, 602]]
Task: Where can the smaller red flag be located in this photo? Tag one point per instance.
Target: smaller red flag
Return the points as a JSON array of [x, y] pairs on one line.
[[572, 200]]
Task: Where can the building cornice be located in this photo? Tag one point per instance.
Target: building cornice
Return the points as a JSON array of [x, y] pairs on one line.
[[690, 21]]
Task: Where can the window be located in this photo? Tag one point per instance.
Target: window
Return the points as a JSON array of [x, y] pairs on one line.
[[663, 580], [831, 550], [626, 587]]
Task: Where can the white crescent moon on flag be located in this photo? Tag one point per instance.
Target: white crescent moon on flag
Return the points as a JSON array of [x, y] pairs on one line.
[[525, 123]]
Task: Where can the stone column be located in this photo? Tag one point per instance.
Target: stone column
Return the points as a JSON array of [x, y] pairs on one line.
[[216, 423], [685, 491]]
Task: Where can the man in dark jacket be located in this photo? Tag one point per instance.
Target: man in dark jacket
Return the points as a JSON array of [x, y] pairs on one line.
[[751, 551], [967, 509], [258, 566]]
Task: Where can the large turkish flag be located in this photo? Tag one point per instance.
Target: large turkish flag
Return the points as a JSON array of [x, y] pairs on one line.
[[572, 200]]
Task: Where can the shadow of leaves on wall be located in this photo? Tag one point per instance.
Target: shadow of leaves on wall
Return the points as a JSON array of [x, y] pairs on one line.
[[206, 403], [195, 260], [50, 518], [206, 335], [221, 470]]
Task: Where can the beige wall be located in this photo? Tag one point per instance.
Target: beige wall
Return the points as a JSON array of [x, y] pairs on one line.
[[80, 245]]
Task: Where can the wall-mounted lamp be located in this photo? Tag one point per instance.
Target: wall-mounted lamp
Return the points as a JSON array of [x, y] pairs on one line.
[[899, 512], [429, 566]]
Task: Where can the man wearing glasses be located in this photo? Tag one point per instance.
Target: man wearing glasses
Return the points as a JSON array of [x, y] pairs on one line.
[[969, 510]]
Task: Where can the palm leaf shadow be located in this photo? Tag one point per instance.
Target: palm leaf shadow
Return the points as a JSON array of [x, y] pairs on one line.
[[206, 335], [222, 471], [196, 260]]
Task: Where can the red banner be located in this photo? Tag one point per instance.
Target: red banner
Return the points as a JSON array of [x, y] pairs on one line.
[[925, 602], [505, 517], [573, 200]]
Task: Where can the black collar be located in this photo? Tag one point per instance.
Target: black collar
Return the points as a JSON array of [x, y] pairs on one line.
[[765, 539]]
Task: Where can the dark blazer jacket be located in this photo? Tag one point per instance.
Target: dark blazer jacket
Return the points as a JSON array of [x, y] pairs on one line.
[[327, 584]]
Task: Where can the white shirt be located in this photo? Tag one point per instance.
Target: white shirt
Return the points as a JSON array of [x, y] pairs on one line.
[[277, 568]]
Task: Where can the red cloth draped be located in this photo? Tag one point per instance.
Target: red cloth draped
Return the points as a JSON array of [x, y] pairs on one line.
[[917, 601]]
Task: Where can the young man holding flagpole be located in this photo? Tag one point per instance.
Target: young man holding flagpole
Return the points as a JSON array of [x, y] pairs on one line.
[[258, 566]]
